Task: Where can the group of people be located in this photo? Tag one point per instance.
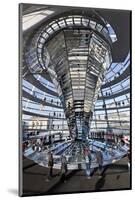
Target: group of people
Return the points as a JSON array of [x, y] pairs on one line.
[[40, 144], [63, 170], [36, 144], [106, 136], [88, 159]]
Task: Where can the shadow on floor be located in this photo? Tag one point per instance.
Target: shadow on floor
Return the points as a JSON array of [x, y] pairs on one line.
[[101, 181], [13, 191]]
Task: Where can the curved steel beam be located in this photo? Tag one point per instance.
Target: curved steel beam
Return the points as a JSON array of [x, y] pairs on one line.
[[40, 101], [31, 79], [115, 95], [40, 115], [124, 75]]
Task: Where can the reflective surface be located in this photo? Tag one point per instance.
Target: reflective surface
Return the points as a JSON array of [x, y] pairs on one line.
[[72, 87]]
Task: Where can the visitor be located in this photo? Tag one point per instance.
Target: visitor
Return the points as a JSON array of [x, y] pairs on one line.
[[88, 159], [99, 157], [50, 165], [51, 101], [24, 147], [129, 157], [63, 168]]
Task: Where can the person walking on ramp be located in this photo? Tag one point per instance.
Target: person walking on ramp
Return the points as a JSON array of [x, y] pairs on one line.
[[63, 168]]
